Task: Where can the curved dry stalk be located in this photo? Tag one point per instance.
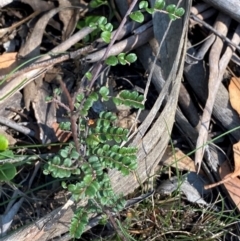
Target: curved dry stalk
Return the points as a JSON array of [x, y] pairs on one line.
[[215, 78]]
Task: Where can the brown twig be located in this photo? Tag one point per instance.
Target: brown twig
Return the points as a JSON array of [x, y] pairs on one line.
[[58, 102], [114, 224], [16, 126], [73, 118], [50, 62], [224, 38]]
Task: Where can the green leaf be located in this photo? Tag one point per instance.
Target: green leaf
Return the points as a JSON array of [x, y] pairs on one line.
[[95, 185], [48, 98], [78, 223], [46, 172], [88, 75], [131, 58], [64, 185], [111, 60], [57, 91], [6, 154], [133, 166], [143, 4], [106, 147], [171, 8], [93, 96], [80, 97], [125, 171], [90, 191], [7, 172], [93, 25], [92, 140], [97, 3], [104, 91], [106, 36], [137, 16], [117, 101], [102, 20], [179, 12], [88, 104], [64, 153], [67, 162], [117, 139], [115, 148], [3, 142], [132, 99], [86, 168], [96, 165], [87, 179], [93, 159], [65, 126], [74, 154], [84, 112], [159, 4], [108, 27], [126, 161], [121, 58], [76, 171], [122, 61], [150, 10], [172, 16], [56, 160]]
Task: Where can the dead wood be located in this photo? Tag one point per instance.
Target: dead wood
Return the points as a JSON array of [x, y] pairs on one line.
[[230, 7], [215, 77]]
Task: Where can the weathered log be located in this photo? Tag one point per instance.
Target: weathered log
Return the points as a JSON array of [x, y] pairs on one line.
[[229, 7]]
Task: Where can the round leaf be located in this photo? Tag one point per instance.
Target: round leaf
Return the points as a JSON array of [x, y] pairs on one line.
[[137, 16], [106, 36], [104, 91], [102, 20], [91, 191], [88, 75], [179, 12], [3, 143], [131, 58], [171, 8], [111, 60], [7, 172], [159, 4], [108, 27], [122, 61], [143, 4]]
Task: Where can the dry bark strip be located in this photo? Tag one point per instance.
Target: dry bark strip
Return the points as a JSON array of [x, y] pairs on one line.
[[230, 7], [151, 146], [215, 78]]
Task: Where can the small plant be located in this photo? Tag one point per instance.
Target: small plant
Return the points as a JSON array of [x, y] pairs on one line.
[[172, 10], [7, 170], [106, 28], [100, 150], [97, 146], [122, 59]]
